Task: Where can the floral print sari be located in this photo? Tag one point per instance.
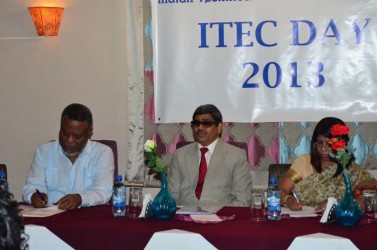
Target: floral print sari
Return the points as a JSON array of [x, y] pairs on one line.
[[317, 187]]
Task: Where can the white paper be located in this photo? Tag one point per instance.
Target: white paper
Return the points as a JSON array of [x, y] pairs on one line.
[[199, 209], [306, 211], [205, 217], [302, 215], [29, 211]]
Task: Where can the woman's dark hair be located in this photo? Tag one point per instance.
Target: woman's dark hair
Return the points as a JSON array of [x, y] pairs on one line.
[[323, 128], [12, 234]]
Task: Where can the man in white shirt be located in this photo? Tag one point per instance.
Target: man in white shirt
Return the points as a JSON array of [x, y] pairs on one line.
[[73, 171]]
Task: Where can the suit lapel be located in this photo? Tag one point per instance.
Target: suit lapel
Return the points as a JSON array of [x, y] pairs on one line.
[[192, 163]]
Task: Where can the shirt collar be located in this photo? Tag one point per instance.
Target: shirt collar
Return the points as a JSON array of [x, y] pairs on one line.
[[86, 150], [211, 147]]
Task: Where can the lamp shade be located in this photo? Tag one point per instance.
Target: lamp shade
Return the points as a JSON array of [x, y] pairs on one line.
[[46, 20]]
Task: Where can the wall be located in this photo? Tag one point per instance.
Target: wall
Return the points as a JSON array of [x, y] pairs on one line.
[[86, 63]]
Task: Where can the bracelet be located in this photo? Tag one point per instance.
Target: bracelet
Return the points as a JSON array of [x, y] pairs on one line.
[[285, 200]]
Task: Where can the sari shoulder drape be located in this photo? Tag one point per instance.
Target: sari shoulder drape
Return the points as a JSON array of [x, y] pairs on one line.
[[318, 187]]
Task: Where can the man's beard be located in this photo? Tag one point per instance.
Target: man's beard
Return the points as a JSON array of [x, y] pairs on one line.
[[73, 154]]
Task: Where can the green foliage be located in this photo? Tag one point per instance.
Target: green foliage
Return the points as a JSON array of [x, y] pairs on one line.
[[155, 162]]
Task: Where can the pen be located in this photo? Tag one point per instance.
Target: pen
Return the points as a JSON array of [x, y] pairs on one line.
[[40, 196], [295, 196]]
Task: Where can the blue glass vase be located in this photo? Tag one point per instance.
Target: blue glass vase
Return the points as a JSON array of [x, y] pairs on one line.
[[164, 205], [348, 211]]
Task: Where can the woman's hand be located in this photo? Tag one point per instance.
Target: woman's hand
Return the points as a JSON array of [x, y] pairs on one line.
[[286, 186], [293, 204], [321, 208]]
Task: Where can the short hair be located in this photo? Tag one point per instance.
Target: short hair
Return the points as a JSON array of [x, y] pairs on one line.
[[12, 234], [324, 128], [78, 112], [209, 109]]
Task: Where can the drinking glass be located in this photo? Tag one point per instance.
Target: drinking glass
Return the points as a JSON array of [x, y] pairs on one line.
[[369, 200], [135, 202], [257, 205]]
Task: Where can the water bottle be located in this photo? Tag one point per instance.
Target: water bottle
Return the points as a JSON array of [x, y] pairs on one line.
[[273, 200], [119, 198], [3, 182]]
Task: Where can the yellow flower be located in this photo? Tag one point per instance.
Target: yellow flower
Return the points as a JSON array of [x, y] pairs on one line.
[[150, 146], [153, 160]]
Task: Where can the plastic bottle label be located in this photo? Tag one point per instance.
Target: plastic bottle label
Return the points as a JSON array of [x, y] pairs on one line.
[[119, 204], [273, 204], [119, 198]]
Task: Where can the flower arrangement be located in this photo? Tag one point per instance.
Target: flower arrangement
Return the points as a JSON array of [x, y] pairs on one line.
[[347, 211], [163, 206], [154, 160], [338, 145]]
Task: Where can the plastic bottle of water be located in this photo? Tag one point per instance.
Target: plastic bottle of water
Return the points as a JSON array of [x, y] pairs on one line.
[[3, 182], [119, 198], [273, 200]]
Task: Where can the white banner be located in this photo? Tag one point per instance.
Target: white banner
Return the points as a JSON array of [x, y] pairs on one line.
[[265, 60]]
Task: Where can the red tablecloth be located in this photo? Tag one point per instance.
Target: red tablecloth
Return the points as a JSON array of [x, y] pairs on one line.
[[96, 228]]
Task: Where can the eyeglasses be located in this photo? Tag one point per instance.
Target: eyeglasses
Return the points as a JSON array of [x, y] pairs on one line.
[[205, 124], [322, 144]]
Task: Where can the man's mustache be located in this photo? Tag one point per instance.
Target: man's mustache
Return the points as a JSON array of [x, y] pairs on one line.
[[201, 132]]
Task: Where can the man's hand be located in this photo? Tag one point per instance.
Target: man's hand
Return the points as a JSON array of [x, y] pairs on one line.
[[69, 202], [36, 201]]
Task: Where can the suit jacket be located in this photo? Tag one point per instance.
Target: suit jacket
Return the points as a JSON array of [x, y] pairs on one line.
[[227, 182]]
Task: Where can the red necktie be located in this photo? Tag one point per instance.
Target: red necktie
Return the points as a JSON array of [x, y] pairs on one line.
[[202, 173]]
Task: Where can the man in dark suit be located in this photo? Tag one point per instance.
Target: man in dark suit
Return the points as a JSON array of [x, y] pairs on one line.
[[226, 179]]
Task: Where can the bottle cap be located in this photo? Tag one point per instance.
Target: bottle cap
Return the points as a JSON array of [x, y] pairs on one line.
[[119, 178], [273, 180]]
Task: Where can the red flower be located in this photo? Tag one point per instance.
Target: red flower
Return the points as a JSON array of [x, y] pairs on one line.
[[338, 130], [338, 145], [333, 140]]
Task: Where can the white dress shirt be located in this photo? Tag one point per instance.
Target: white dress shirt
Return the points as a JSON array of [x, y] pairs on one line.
[[208, 154], [91, 176]]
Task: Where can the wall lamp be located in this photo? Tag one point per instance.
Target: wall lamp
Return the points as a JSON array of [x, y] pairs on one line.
[[46, 20]]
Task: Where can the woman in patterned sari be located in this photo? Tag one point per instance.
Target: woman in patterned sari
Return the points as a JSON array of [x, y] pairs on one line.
[[316, 176]]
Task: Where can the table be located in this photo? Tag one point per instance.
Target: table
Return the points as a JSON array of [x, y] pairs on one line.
[[96, 228]]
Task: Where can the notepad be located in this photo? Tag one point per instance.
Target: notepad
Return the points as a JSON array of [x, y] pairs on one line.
[[206, 217], [306, 211], [29, 211], [199, 210]]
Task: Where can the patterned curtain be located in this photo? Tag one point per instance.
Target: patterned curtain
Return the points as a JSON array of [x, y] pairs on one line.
[[135, 73]]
